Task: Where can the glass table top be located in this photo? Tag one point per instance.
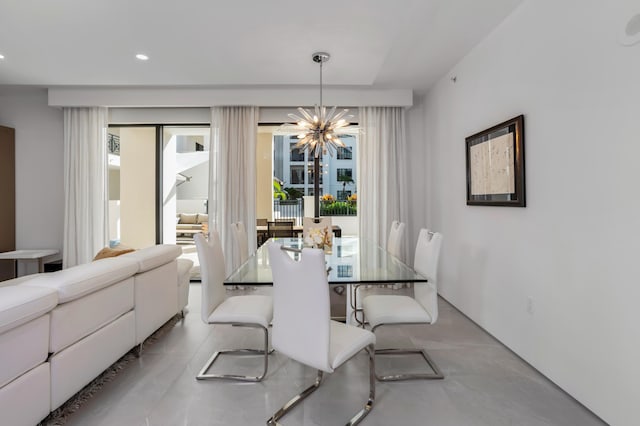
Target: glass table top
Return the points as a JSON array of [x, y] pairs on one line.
[[351, 261]]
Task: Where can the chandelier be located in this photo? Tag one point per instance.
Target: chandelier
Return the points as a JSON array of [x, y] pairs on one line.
[[319, 131]]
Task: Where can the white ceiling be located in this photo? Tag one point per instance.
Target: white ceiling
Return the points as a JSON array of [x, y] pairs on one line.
[[403, 44]]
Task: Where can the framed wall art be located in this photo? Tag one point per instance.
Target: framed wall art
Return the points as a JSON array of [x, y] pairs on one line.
[[495, 165]]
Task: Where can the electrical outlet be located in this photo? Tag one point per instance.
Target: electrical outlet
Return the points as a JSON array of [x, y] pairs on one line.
[[530, 307]]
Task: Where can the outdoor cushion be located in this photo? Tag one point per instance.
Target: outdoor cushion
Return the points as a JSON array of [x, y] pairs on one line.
[[188, 217]]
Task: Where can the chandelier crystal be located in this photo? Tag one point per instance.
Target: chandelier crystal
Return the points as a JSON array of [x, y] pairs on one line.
[[319, 131]]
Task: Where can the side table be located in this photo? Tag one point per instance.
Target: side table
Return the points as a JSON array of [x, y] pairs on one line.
[[29, 255]]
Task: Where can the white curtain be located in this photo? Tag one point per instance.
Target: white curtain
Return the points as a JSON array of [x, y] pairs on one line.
[[85, 184], [382, 189], [232, 176]]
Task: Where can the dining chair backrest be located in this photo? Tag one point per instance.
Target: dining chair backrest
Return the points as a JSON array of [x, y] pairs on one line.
[[242, 242], [261, 222], [301, 310], [396, 238], [212, 271], [425, 263], [309, 223], [280, 229]]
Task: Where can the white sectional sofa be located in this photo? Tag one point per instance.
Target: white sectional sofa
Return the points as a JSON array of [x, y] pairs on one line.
[[60, 330]]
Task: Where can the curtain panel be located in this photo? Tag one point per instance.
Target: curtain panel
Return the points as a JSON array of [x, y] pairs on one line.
[[232, 176], [85, 184], [382, 189]]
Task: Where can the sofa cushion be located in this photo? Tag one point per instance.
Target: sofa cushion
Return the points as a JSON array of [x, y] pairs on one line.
[[78, 281], [184, 268], [74, 320], [23, 348], [156, 298], [154, 256], [27, 399], [19, 280], [188, 217], [79, 364], [20, 304]]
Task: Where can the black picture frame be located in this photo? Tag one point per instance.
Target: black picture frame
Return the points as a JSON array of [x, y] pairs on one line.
[[495, 165]]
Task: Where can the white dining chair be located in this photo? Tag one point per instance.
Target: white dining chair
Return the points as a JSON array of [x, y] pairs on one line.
[[301, 293], [387, 310], [243, 311], [395, 241]]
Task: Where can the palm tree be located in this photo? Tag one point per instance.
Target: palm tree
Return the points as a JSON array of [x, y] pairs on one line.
[[345, 180]]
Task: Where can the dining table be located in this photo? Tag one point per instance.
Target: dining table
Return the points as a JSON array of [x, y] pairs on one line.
[[350, 261]]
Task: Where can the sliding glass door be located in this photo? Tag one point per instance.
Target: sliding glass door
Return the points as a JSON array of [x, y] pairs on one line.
[[185, 167], [158, 184]]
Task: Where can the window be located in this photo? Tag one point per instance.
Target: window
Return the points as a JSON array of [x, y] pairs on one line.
[[344, 153], [297, 175], [311, 176], [296, 154], [344, 174], [338, 172]]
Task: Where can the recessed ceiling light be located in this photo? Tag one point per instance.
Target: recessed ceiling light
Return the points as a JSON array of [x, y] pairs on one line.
[[142, 57], [1, 56]]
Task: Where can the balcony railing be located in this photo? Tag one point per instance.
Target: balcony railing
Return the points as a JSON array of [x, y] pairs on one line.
[[289, 209], [294, 209], [338, 208], [113, 144]]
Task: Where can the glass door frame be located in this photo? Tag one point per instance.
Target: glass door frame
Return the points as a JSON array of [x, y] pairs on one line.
[[159, 152]]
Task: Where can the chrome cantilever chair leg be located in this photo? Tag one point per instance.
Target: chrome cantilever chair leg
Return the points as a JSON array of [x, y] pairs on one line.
[[354, 305], [371, 350], [273, 421], [357, 418], [437, 374], [202, 375]]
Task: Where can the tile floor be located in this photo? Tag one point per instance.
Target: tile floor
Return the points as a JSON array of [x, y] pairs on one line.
[[485, 383]]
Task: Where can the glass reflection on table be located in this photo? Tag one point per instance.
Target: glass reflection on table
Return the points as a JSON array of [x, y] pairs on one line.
[[351, 261]]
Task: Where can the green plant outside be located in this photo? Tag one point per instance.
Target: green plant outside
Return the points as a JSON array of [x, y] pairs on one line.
[[294, 193], [338, 208], [278, 193]]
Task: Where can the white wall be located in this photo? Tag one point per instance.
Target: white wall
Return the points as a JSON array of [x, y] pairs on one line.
[[573, 250], [198, 186], [39, 166], [190, 206]]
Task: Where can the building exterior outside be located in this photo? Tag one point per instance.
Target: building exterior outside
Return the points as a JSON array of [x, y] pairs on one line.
[[295, 169]]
